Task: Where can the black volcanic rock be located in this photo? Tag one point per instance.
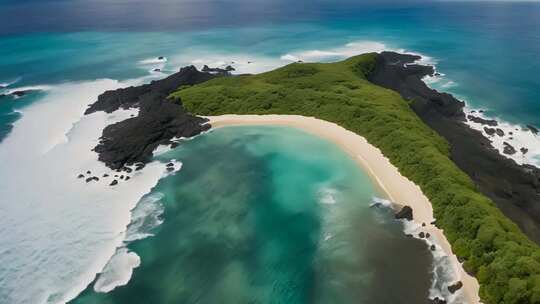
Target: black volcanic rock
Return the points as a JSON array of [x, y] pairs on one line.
[[508, 149], [455, 287], [437, 300], [80, 176], [533, 129], [113, 183], [160, 119], [405, 213], [470, 150], [480, 120]]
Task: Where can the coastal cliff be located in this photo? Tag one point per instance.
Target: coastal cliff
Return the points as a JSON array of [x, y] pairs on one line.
[[514, 188]]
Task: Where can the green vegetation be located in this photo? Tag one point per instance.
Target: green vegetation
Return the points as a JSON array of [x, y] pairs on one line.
[[505, 261]]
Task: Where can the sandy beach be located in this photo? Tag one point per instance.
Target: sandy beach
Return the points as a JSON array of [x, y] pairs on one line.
[[398, 188]]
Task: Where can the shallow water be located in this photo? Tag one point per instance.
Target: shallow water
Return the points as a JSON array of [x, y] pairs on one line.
[[271, 215]]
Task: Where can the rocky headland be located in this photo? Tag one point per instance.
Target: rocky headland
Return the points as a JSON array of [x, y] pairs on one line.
[[514, 188], [159, 121]]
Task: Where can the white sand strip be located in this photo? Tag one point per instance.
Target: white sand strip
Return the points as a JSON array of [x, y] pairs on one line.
[[399, 189]]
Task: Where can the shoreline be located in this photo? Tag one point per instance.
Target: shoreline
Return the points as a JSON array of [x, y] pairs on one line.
[[398, 188]]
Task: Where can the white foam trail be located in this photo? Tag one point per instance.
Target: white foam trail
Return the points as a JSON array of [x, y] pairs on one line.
[[29, 88], [118, 270], [58, 231], [153, 60], [335, 54]]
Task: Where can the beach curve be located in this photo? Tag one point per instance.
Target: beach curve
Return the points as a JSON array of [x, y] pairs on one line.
[[399, 189]]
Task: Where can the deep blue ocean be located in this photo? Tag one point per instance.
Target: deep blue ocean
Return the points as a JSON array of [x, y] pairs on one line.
[[67, 52]]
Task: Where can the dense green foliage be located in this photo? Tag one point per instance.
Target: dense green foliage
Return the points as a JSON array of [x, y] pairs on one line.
[[505, 261]]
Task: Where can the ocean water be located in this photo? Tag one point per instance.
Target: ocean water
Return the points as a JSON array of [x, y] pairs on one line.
[[57, 236], [267, 215]]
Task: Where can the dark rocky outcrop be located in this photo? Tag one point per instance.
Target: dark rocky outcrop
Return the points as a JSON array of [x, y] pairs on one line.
[[508, 149], [437, 300], [160, 119], [470, 150], [218, 71], [405, 213], [533, 129], [455, 287], [480, 120]]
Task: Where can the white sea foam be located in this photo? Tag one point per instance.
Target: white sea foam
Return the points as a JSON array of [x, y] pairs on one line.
[[29, 88], [145, 217], [9, 83], [518, 136], [515, 135], [118, 270], [153, 60], [60, 231], [444, 271]]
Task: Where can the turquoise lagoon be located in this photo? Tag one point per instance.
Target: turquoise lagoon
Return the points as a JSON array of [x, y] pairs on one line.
[[270, 214]]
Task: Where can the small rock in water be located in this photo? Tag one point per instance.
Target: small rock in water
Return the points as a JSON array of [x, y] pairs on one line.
[[170, 169], [88, 172], [508, 149], [80, 176], [121, 177], [95, 178], [170, 165], [524, 150], [427, 235], [421, 235], [157, 70], [105, 175], [405, 213], [127, 178], [437, 300], [139, 167], [423, 224], [161, 58], [113, 183], [499, 132], [432, 247], [455, 287], [128, 169], [89, 179]]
